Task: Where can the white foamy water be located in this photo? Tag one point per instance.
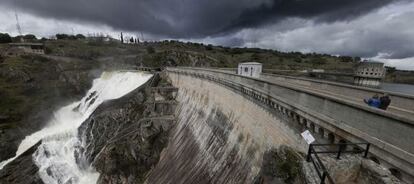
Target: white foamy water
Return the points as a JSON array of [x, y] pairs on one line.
[[55, 157]]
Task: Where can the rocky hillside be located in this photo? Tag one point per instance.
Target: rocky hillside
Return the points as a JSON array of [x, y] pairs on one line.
[[124, 137], [31, 88], [175, 53]]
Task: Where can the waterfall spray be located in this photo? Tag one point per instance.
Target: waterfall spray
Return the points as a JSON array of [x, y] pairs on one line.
[[55, 157]]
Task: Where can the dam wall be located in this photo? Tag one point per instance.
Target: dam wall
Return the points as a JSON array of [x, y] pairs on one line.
[[337, 119], [220, 136]]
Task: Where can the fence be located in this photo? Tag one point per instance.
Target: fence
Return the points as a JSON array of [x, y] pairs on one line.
[[337, 149]]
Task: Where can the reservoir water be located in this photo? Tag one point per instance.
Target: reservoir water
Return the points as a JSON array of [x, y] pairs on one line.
[[398, 88]]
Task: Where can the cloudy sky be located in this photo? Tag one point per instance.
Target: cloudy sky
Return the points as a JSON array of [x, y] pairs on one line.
[[378, 29]]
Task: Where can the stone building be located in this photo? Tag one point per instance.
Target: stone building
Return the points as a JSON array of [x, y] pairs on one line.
[[250, 69], [369, 73], [25, 48]]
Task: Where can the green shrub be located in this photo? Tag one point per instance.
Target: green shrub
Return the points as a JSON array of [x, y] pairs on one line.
[[5, 38]]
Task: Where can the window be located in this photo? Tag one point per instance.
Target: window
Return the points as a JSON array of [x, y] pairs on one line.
[[246, 69]]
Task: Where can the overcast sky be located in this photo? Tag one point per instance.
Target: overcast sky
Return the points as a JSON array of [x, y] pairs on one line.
[[378, 29]]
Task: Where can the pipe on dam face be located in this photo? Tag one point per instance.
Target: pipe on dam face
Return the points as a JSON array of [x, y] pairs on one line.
[[220, 136]]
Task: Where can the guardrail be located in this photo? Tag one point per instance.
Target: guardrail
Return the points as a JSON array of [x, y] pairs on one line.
[[341, 148]]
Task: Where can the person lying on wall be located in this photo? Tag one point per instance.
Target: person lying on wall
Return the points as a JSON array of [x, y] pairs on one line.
[[377, 102], [373, 101], [385, 101]]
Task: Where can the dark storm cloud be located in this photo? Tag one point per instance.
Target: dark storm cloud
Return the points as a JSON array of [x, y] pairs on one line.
[[195, 18]]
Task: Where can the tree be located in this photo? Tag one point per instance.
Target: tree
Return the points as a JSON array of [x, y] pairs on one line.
[[122, 38], [209, 47], [80, 36], [62, 36], [29, 37], [17, 38], [72, 37], [5, 38], [390, 69], [346, 59], [131, 40]]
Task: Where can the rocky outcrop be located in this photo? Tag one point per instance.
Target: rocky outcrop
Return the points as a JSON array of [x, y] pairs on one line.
[[281, 165], [124, 138], [373, 173], [350, 169], [22, 170], [31, 88]]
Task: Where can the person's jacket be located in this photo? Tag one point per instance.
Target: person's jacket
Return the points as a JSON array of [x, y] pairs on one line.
[[374, 102]]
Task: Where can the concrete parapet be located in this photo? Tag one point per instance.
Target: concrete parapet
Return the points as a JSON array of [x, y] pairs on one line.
[[401, 103]]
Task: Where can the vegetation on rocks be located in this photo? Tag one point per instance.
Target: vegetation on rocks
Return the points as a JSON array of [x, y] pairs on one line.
[[281, 165], [31, 88]]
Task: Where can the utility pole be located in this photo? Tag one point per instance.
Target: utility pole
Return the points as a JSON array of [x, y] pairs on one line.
[[19, 29]]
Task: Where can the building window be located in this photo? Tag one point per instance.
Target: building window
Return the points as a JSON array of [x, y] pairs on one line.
[[246, 69]]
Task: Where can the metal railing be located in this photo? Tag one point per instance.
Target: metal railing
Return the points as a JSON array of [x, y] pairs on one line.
[[337, 149]]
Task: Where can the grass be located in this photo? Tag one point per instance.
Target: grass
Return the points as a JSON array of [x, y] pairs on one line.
[[88, 49]]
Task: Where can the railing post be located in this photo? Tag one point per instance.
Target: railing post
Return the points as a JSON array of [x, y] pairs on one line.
[[339, 152], [308, 157], [323, 177], [367, 150]]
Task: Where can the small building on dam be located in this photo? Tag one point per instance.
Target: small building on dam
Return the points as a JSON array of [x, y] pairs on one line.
[[250, 69], [369, 73]]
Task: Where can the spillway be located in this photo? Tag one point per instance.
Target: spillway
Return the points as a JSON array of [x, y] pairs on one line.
[[55, 156]]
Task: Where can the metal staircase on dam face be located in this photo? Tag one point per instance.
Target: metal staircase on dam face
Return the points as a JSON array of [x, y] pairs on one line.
[[160, 107], [335, 149]]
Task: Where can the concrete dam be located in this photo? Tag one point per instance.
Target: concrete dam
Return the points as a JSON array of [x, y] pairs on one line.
[[258, 115], [194, 125]]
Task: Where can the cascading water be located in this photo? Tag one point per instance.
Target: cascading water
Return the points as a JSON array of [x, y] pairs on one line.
[[55, 157]]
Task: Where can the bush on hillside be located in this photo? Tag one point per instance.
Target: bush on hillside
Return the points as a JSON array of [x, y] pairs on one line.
[[80, 36], [29, 37], [5, 38], [150, 50], [209, 47], [65, 37]]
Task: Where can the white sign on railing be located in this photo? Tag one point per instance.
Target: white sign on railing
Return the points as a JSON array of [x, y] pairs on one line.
[[308, 137]]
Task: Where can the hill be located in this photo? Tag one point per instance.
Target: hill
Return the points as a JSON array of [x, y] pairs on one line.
[[175, 53]]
